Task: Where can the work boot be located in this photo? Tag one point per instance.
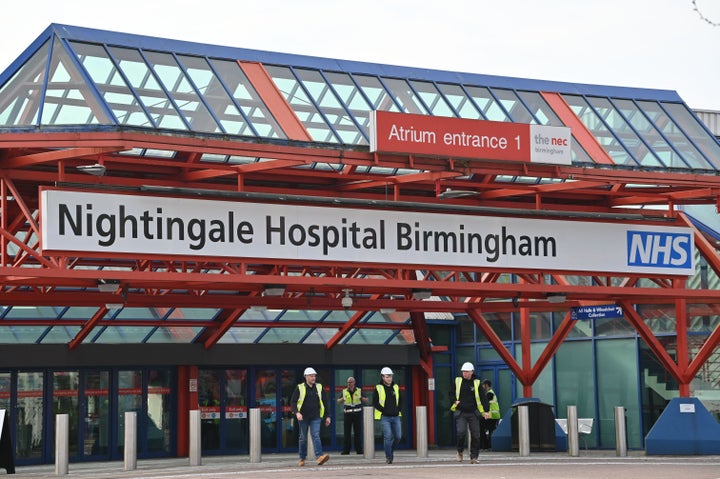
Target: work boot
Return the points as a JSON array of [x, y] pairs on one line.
[[473, 460], [301, 462], [459, 456], [323, 459]]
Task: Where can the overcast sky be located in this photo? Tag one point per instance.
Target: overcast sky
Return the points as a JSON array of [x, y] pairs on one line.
[[664, 44]]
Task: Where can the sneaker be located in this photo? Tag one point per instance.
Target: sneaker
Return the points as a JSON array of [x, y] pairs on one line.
[[459, 456], [473, 461], [323, 459], [388, 460], [301, 462]]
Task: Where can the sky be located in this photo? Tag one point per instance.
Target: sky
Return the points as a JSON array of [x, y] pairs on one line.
[[659, 44]]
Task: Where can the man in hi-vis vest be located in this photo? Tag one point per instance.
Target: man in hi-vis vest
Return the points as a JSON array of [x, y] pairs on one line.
[[467, 410], [354, 400], [308, 404], [386, 400], [489, 424]]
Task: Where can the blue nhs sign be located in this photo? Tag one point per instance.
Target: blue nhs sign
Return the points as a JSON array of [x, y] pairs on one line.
[[659, 249]]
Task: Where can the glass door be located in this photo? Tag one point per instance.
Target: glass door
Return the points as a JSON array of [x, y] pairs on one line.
[[30, 433], [96, 412], [222, 397], [66, 401]]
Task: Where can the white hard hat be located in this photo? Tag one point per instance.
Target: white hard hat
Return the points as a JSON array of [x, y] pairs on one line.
[[309, 371], [467, 367], [386, 371]]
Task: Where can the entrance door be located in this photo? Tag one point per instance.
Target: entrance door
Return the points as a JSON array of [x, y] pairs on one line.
[[503, 383], [273, 390], [30, 412], [222, 397]]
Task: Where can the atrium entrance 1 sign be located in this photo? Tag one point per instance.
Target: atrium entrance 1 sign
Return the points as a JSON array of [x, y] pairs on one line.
[[425, 135]]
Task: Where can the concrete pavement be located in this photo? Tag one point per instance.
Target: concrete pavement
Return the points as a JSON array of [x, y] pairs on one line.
[[439, 464]]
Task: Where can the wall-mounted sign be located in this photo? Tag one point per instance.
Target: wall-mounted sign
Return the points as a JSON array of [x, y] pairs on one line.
[[600, 311], [105, 223], [425, 135]]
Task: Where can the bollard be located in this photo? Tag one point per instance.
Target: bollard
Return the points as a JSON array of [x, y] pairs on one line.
[[620, 432], [255, 436], [195, 438], [62, 444], [368, 432], [130, 452], [572, 431], [421, 431], [524, 430]]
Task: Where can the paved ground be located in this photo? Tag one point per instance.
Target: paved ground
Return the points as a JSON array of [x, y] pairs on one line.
[[438, 465]]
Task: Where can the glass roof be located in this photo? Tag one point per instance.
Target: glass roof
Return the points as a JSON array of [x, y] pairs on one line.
[[72, 76]]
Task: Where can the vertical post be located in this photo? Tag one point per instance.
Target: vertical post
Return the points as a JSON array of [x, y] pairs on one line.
[[195, 438], [255, 439], [421, 429], [572, 431], [130, 451], [620, 433], [368, 432], [524, 430], [62, 444]]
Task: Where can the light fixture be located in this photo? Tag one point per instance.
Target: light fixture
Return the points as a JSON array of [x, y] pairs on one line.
[[96, 170], [556, 297], [346, 300], [274, 290], [421, 293], [108, 285], [258, 308], [450, 193], [388, 310], [114, 305]]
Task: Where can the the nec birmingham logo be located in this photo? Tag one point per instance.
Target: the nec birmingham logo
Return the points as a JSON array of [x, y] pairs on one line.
[[665, 250]]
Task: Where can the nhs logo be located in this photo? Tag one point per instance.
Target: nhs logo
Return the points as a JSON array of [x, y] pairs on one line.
[[660, 249]]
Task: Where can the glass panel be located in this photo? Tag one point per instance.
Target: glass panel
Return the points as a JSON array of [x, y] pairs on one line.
[[112, 85], [334, 111], [303, 106], [539, 108], [487, 104], [245, 99], [405, 96], [432, 98], [376, 93], [96, 387], [266, 401], [697, 133], [159, 407], [617, 382], [354, 101], [183, 93], [617, 123], [660, 148], [20, 97], [236, 411], [543, 386], [455, 95], [539, 325], [65, 401], [209, 403], [289, 433], [151, 94], [513, 106], [575, 382], [129, 400], [30, 414], [601, 132], [691, 156]]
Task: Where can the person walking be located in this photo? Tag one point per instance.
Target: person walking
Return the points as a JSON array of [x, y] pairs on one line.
[[308, 404], [386, 400], [353, 399], [467, 411], [490, 423]]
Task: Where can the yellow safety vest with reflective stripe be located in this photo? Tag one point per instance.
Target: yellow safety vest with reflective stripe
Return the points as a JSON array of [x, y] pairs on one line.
[[476, 388], [353, 402], [381, 398], [494, 406], [301, 397]]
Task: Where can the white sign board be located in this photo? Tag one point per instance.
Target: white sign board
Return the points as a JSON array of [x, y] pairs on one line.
[[134, 224]]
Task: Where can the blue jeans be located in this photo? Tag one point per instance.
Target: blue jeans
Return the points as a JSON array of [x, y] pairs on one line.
[[314, 426], [392, 432]]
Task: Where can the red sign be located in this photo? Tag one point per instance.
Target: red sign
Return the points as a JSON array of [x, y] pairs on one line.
[[425, 135]]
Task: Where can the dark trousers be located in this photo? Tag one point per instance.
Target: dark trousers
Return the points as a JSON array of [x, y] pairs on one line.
[[353, 431], [463, 420], [487, 427]]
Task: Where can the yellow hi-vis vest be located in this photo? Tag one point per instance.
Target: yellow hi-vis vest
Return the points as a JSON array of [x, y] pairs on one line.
[[476, 388], [381, 398], [301, 397], [494, 405], [353, 402]]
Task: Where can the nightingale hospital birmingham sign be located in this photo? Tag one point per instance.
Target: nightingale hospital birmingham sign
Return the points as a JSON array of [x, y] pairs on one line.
[[474, 139], [121, 223]]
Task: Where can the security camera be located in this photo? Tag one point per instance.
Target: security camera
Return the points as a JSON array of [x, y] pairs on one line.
[[346, 302]]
